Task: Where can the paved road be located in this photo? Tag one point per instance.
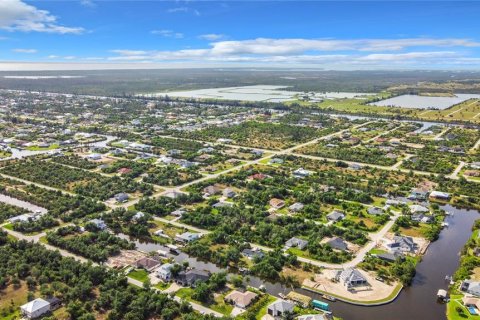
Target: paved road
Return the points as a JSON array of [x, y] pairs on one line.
[[455, 173], [182, 225], [36, 184]]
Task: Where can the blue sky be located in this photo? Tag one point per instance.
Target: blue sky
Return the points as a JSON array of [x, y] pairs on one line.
[[312, 34]]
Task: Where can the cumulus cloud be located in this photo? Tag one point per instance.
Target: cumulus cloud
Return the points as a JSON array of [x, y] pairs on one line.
[[25, 50], [357, 51], [168, 33], [15, 15], [295, 46]]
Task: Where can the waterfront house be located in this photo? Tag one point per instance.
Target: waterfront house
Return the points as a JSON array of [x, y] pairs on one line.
[[147, 263], [279, 309], [470, 286], [187, 237], [391, 257], [351, 278], [402, 244], [192, 277], [164, 272], [418, 194], [253, 254], [438, 195], [416, 208], [241, 299]]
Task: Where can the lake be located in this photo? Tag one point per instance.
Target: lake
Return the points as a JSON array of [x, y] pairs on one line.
[[265, 93], [423, 102]]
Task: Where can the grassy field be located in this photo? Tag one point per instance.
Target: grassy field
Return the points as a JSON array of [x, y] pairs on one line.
[[139, 274], [37, 148]]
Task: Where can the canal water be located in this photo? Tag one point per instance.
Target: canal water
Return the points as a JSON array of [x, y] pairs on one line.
[[419, 301]]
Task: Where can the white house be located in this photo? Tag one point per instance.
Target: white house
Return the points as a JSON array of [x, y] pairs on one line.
[[35, 308], [164, 272]]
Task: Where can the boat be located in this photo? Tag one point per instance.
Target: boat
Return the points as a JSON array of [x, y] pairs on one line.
[[281, 295], [445, 225], [329, 298], [442, 295]]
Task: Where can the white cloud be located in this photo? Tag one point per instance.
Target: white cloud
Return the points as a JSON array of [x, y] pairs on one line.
[[212, 36], [167, 33], [295, 46], [52, 56], [408, 56], [184, 10], [359, 51], [25, 50], [130, 52], [16, 15]]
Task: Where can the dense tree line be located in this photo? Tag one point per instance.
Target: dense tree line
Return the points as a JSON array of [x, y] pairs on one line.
[[88, 292], [171, 176], [97, 246], [79, 181], [75, 161]]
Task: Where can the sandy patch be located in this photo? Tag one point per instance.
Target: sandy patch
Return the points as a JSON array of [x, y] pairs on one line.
[[375, 290]]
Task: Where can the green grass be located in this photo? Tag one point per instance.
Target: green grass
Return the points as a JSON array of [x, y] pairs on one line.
[[4, 154], [377, 251], [9, 226], [37, 148], [139, 274], [219, 305], [162, 285], [452, 314]]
